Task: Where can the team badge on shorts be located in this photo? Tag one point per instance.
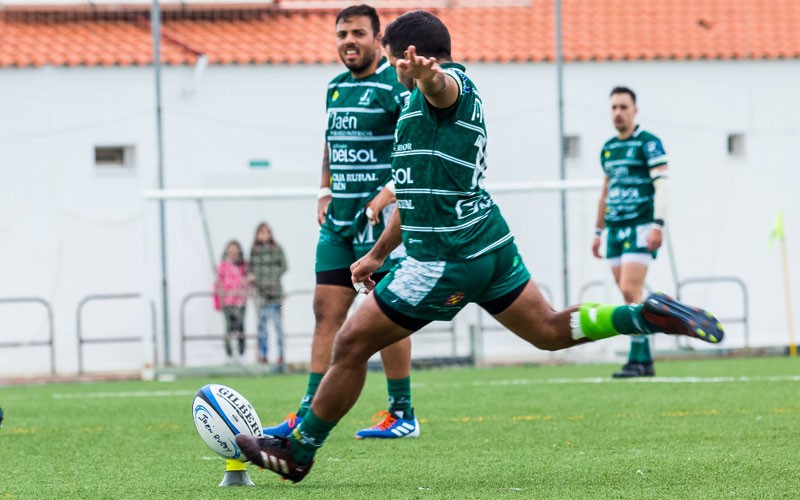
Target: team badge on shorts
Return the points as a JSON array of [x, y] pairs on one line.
[[454, 299]]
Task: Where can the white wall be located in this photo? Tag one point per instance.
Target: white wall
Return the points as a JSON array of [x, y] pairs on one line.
[[69, 231]]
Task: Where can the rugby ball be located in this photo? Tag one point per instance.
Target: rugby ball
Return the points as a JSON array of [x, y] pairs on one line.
[[220, 414]]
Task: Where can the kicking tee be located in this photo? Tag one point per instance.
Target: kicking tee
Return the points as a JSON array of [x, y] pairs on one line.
[[627, 163], [438, 167]]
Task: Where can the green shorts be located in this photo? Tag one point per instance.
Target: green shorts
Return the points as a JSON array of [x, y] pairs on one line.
[[335, 251], [623, 241], [437, 291]]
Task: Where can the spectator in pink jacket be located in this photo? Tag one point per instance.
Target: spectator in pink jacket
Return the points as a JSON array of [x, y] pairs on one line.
[[230, 295]]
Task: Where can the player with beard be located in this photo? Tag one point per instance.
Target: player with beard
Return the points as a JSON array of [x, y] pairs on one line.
[[363, 105]]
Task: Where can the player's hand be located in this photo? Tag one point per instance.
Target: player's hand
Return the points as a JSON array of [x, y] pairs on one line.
[[377, 204], [654, 239], [361, 273], [322, 209], [418, 67], [596, 247]]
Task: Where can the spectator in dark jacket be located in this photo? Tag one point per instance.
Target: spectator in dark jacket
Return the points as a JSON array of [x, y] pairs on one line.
[[267, 265]]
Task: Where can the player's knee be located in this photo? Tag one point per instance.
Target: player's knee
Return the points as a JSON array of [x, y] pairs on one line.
[[546, 334], [327, 314], [631, 292], [350, 349]]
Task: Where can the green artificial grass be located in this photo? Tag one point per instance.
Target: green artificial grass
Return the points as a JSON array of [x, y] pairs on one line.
[[715, 428]]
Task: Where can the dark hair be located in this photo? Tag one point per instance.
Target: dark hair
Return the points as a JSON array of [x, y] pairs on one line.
[[270, 241], [359, 11], [240, 260], [421, 29], [623, 90]]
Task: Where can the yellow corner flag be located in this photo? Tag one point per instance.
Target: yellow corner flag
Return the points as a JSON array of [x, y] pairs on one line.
[[778, 235], [777, 230]]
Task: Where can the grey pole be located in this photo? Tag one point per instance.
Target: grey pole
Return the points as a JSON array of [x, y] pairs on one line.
[[155, 20], [561, 165]]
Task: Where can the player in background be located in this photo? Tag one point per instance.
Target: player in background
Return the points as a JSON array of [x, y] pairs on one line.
[[363, 105], [632, 208], [460, 250]]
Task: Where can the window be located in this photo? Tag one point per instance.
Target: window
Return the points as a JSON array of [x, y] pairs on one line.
[[114, 157], [736, 144], [572, 146]]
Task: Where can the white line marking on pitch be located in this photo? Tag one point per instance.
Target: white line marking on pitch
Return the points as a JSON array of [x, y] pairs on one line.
[[128, 394], [476, 383], [609, 380]]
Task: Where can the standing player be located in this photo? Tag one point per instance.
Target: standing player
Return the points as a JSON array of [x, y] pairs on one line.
[[460, 250], [632, 207], [363, 105]]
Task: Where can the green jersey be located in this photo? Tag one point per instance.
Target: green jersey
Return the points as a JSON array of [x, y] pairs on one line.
[[362, 114], [627, 163], [438, 165]]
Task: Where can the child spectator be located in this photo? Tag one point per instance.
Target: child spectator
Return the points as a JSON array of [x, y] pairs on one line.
[[230, 295]]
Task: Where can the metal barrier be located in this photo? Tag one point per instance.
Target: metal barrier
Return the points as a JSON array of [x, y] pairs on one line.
[[34, 343], [449, 329], [108, 340], [185, 337], [744, 319]]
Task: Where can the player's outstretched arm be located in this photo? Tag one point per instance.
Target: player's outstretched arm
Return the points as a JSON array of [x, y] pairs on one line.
[[440, 90], [363, 268]]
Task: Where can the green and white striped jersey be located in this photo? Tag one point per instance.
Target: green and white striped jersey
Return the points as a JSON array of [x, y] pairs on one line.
[[627, 163], [362, 114], [438, 166]]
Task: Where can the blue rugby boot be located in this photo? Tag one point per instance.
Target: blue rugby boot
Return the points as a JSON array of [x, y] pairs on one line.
[[390, 425], [283, 429]]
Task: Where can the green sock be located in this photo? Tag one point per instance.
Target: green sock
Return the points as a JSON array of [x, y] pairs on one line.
[[400, 396], [309, 436], [640, 349], [600, 321], [313, 383]]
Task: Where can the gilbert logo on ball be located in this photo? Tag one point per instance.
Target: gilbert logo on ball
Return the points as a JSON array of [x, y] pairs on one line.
[[220, 414]]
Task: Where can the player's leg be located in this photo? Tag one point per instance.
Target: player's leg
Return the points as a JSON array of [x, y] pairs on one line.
[[331, 304], [399, 420], [630, 259], [523, 310], [630, 276], [366, 332], [333, 296]]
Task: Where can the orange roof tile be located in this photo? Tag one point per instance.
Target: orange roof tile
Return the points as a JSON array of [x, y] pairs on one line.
[[257, 34]]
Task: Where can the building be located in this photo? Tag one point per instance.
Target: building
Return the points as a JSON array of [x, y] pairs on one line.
[[243, 88]]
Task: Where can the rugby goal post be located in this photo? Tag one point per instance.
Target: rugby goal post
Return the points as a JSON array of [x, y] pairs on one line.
[[222, 214]]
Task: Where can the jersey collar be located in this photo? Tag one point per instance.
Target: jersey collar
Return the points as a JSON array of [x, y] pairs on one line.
[[457, 66]]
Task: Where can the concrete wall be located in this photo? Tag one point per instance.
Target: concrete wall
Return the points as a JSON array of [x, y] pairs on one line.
[[70, 229]]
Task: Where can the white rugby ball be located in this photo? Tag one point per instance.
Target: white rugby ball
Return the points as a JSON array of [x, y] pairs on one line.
[[220, 414]]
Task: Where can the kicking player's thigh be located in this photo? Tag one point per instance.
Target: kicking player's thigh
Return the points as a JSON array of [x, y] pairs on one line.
[[365, 332], [532, 318]]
